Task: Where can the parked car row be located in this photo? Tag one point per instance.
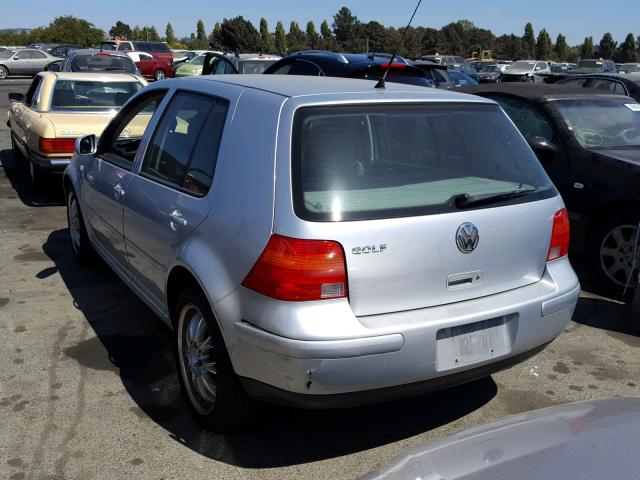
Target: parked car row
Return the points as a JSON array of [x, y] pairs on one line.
[[298, 267]]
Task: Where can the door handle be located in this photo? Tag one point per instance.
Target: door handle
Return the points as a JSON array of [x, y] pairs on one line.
[[119, 190], [176, 217]]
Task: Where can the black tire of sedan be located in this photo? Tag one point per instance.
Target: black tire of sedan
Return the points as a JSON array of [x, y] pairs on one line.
[[80, 246], [159, 75], [212, 389], [612, 252], [4, 73], [39, 176]]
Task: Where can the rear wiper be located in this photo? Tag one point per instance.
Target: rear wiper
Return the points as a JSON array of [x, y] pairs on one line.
[[113, 69], [464, 200]]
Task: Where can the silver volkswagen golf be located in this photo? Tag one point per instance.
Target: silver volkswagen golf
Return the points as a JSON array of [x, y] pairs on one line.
[[317, 242]]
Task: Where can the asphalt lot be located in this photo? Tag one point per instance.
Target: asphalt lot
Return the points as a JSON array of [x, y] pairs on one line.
[[88, 387]]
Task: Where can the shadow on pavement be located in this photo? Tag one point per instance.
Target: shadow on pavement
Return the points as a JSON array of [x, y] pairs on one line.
[[139, 348], [17, 172]]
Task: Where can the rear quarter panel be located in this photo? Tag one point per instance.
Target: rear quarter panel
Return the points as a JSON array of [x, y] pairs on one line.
[[224, 248]]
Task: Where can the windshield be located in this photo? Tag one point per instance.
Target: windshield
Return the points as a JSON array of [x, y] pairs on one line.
[[522, 65], [199, 60], [602, 123], [590, 64], [103, 63], [91, 96], [383, 161], [254, 66], [490, 68]]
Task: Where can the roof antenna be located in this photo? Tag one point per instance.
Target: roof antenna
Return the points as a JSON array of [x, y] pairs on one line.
[[381, 82]]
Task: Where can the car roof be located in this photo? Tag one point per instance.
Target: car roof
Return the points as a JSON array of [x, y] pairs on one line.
[[95, 77], [538, 93], [299, 86], [631, 77]]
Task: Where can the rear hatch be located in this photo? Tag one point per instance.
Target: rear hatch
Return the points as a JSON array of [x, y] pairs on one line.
[[432, 203]]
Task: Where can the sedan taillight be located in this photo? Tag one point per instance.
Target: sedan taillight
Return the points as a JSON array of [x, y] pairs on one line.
[[57, 145]]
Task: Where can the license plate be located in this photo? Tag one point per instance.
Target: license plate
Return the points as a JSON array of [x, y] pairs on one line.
[[472, 343]]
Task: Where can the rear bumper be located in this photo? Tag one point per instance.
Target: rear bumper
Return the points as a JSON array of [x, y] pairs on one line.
[[53, 164], [393, 355]]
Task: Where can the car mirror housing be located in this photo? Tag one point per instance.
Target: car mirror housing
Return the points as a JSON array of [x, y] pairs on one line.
[[87, 145], [53, 67], [16, 97], [541, 144]]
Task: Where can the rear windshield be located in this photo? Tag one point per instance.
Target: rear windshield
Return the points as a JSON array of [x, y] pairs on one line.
[[385, 161], [103, 63], [91, 96], [254, 66], [151, 46]]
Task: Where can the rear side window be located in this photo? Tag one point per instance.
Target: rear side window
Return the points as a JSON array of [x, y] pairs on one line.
[[386, 161], [184, 149], [529, 120]]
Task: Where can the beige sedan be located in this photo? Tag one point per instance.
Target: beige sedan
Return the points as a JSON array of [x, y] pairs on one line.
[[60, 107]]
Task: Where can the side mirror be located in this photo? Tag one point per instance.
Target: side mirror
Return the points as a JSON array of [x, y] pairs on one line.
[[16, 97], [87, 145], [53, 67], [541, 145]]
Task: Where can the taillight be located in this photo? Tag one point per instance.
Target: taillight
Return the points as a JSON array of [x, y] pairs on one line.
[[298, 270], [394, 65], [559, 246], [57, 145]]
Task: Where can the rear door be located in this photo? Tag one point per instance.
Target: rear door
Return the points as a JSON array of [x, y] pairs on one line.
[[38, 61], [383, 181], [167, 200], [106, 177]]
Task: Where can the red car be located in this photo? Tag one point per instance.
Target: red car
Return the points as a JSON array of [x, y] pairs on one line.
[[150, 67]]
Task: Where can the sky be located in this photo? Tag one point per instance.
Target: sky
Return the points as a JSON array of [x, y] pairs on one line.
[[576, 19]]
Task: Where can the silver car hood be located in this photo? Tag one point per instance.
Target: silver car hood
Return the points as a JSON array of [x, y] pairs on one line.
[[517, 71], [592, 440]]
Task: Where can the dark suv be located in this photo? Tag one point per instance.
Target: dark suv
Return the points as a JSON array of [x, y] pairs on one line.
[[349, 65]]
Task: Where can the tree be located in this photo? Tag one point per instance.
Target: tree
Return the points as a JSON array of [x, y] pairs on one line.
[[377, 36], [152, 34], [430, 39], [120, 29], [344, 26], [239, 35], [511, 47], [607, 47], [267, 44], [171, 37], [529, 40], [295, 37], [561, 50], [214, 39], [201, 37], [627, 51], [313, 40], [586, 51], [543, 45], [327, 35], [69, 29], [281, 38]]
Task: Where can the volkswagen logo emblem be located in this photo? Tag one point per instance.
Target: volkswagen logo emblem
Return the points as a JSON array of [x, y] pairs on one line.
[[467, 237]]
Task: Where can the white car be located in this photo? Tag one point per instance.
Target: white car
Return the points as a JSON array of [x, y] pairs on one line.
[[526, 71]]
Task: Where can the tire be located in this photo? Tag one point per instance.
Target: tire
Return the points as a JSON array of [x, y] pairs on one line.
[[635, 311], [39, 176], [79, 240], [612, 252], [159, 75], [212, 389], [4, 72]]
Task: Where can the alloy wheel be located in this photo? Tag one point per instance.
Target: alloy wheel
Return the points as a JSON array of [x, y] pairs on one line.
[[3, 72], [73, 216], [160, 75], [197, 365], [618, 253]]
